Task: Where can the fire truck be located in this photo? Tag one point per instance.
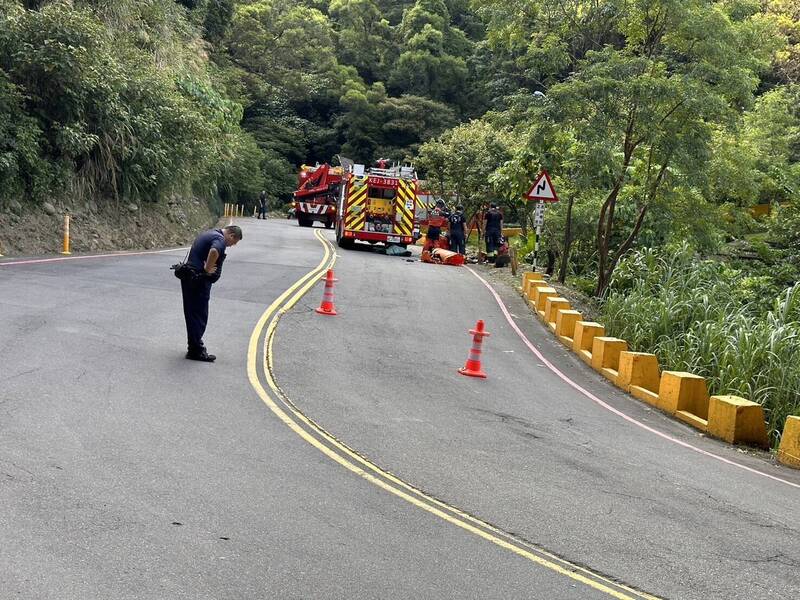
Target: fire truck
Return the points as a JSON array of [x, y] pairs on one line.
[[377, 205], [316, 195]]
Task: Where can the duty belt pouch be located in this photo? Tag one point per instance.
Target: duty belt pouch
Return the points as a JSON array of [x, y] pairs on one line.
[[184, 271]]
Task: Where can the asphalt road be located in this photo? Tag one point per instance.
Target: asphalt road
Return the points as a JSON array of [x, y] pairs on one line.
[[128, 472]]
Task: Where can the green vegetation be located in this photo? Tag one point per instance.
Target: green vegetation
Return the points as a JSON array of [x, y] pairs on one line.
[[114, 100], [710, 319], [143, 100], [661, 123]]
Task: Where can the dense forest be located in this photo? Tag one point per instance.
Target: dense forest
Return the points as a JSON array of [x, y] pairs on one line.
[[662, 122]]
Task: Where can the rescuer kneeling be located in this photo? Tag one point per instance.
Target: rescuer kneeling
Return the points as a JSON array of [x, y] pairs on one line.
[[436, 220]]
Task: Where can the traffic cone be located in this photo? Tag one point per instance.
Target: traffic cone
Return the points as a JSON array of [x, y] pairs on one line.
[[327, 307], [472, 367]]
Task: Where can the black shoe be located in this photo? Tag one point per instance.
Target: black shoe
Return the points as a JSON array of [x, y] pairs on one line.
[[201, 356]]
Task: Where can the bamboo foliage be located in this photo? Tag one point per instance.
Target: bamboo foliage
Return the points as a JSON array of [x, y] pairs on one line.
[[693, 316]]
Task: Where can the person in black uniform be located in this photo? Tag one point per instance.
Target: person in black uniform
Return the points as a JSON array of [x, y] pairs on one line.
[[494, 229], [262, 205], [458, 230], [205, 258]]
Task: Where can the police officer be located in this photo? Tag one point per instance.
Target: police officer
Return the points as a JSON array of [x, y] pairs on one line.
[[494, 229], [458, 230], [205, 258]]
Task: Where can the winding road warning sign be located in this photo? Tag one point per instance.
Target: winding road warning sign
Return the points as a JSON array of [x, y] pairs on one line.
[[542, 189]]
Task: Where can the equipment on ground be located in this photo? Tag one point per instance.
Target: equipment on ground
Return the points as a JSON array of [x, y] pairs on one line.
[[377, 205], [316, 195], [440, 256]]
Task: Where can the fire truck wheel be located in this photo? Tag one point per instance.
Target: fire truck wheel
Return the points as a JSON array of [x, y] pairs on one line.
[[304, 221], [344, 243], [329, 224]]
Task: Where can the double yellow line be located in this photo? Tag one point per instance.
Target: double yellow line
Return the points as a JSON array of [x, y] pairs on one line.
[[260, 367]]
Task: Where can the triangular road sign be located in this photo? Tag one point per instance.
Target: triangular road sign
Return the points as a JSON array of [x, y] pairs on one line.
[[542, 189]]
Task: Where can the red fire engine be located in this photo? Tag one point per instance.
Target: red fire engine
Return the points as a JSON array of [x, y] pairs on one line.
[[316, 195], [377, 205]]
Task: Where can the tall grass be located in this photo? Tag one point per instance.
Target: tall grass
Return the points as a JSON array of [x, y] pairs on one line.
[[704, 317]]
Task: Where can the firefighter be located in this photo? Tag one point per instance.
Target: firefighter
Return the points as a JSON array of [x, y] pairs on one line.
[[494, 231], [436, 219], [458, 230]]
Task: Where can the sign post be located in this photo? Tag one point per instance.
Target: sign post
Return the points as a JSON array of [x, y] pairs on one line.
[[543, 191]]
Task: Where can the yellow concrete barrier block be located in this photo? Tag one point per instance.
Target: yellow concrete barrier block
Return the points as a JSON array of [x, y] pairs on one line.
[[789, 450], [585, 332], [737, 421], [642, 393], [527, 278], [565, 325], [639, 369], [684, 395], [533, 286], [551, 306], [605, 355], [541, 297]]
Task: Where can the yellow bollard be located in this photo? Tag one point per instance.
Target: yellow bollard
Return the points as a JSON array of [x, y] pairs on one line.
[[66, 236], [225, 210]]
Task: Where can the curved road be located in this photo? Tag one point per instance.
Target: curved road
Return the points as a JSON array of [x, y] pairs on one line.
[[128, 472]]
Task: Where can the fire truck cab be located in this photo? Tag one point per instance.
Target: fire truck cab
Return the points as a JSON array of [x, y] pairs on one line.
[[377, 205], [317, 191]]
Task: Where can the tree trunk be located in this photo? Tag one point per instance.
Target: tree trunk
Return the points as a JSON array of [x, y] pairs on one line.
[[562, 273], [551, 262], [604, 276]]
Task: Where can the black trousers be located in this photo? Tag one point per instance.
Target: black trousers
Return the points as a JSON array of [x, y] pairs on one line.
[[457, 244], [492, 241], [196, 295], [262, 212]]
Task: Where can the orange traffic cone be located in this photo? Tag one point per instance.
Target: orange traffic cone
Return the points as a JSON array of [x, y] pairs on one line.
[[327, 307], [473, 365]]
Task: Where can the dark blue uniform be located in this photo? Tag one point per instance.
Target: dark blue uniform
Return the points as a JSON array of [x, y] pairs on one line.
[[494, 230], [457, 241], [197, 292]]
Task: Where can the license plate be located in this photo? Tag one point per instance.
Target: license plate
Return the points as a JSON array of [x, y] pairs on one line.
[[393, 238]]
